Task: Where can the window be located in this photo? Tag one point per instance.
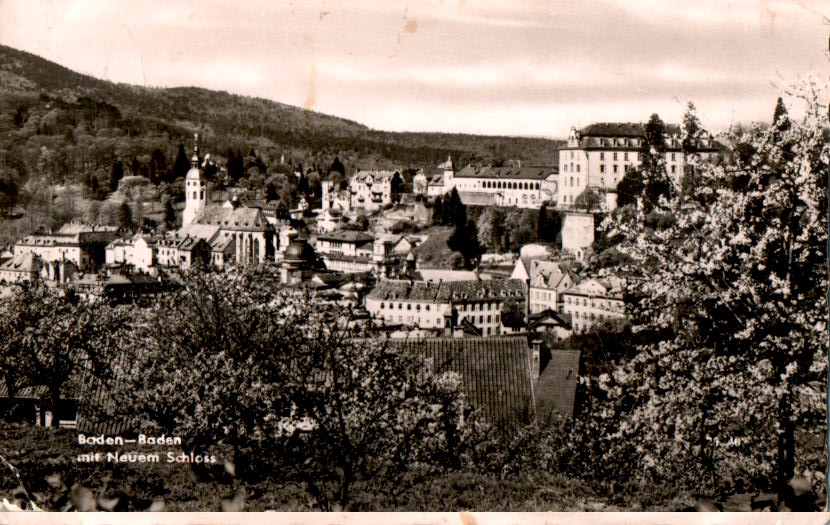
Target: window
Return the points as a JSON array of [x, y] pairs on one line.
[[480, 319], [615, 155], [601, 155], [602, 168], [578, 166], [427, 308], [673, 157], [572, 181], [382, 306], [674, 169], [572, 154], [625, 156], [616, 168]]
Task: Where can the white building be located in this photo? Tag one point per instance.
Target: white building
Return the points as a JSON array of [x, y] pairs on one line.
[[444, 306], [442, 181], [548, 281], [599, 155], [521, 186], [21, 267], [593, 302], [138, 251], [83, 245], [371, 190], [329, 220]]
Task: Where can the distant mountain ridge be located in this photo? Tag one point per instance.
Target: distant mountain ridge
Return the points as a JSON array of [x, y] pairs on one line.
[[32, 88]]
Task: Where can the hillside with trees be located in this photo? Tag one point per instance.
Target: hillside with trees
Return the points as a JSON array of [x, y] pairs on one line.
[[59, 127]]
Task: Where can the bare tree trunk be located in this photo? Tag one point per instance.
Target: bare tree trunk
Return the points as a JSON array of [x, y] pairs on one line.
[[786, 446]]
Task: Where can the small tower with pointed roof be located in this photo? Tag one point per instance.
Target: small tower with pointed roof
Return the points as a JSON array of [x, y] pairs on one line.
[[195, 187]]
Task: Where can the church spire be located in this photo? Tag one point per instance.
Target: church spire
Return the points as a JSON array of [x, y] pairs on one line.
[[194, 161]]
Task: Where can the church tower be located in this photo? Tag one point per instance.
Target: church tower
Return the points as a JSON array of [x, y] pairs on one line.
[[195, 187]]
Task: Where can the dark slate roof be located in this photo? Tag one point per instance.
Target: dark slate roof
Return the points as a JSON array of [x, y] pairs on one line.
[[458, 291], [495, 372], [556, 387], [507, 172], [238, 219], [346, 236], [601, 135], [614, 129], [550, 317]]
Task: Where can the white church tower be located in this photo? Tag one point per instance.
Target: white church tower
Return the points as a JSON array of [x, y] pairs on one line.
[[195, 187]]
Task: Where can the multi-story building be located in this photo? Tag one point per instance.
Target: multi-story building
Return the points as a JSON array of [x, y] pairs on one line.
[[371, 190], [83, 245], [335, 197], [599, 155], [444, 306], [594, 301], [346, 251], [138, 251], [525, 187], [548, 281]]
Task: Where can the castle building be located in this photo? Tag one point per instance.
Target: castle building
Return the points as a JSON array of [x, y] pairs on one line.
[[524, 187], [599, 155]]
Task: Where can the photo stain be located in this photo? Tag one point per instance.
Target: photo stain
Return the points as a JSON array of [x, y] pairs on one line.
[[467, 518]]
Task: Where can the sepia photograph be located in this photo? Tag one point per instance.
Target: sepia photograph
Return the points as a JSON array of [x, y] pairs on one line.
[[469, 256]]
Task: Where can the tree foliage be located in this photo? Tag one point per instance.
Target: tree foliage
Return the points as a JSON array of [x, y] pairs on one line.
[[289, 388], [735, 282]]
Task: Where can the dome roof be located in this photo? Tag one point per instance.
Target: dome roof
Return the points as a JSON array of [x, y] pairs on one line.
[[195, 174], [300, 250]]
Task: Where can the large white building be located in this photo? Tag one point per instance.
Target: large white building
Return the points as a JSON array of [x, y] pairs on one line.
[[444, 305], [521, 186], [599, 155], [81, 244]]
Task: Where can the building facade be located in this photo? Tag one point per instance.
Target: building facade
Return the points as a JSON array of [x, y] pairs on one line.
[[593, 302], [83, 245], [371, 190], [444, 306], [599, 155]]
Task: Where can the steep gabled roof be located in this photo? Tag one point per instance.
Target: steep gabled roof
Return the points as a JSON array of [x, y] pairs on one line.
[[22, 262], [495, 372], [556, 388]]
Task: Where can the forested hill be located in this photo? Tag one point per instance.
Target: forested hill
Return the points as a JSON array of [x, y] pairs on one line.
[[60, 125]]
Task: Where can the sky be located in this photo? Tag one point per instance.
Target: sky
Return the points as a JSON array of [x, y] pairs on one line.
[[525, 67]]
